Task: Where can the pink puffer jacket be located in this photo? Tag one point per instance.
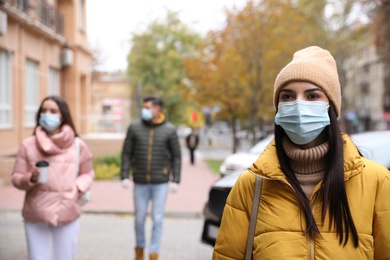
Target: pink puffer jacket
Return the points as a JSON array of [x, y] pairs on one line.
[[57, 201]]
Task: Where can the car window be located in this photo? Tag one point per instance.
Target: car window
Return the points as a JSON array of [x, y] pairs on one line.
[[260, 146], [374, 146]]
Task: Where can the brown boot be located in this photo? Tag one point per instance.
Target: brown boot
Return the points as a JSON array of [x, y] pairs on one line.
[[153, 256], [139, 253]]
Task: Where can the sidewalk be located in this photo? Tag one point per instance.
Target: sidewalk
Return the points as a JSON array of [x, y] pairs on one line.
[[106, 230], [109, 197]]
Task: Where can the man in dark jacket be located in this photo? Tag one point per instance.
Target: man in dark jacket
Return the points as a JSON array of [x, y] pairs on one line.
[[151, 149]]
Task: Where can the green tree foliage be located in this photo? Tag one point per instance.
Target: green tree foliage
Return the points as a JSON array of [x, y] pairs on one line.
[[155, 62], [234, 68]]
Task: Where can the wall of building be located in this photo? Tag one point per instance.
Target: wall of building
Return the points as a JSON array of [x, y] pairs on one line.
[[22, 44], [364, 90], [110, 110], [29, 37]]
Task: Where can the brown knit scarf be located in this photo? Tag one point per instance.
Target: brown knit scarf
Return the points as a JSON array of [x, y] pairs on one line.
[[309, 165]]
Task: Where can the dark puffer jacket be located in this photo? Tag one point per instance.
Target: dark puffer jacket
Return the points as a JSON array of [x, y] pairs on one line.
[[152, 151]]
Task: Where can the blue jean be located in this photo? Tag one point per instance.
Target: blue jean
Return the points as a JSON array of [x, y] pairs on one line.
[[143, 193]]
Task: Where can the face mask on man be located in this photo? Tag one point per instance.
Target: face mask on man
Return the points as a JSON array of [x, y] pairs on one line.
[[146, 114], [49, 122], [303, 121]]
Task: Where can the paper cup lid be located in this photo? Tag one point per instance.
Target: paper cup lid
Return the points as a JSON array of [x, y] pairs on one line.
[[42, 163]]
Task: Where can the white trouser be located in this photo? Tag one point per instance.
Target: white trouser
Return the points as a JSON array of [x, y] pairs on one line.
[[40, 235]]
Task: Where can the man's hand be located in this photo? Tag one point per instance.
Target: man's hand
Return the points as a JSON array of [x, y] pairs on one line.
[[173, 187], [125, 183]]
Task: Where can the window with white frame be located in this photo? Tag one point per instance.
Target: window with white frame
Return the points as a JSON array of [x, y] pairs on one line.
[[23, 5], [5, 89], [81, 14], [54, 82], [31, 93]]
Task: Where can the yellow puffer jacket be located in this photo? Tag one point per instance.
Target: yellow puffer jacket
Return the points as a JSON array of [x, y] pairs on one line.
[[280, 222]]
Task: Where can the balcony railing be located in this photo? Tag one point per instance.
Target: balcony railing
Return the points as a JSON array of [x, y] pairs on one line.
[[47, 15], [51, 17]]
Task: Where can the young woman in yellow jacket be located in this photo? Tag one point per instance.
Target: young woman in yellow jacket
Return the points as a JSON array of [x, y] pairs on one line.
[[320, 198]]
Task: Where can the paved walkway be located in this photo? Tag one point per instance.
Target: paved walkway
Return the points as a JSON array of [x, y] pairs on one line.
[[111, 237], [107, 225], [109, 197]]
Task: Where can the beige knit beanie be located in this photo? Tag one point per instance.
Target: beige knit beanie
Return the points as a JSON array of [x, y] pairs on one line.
[[314, 65]]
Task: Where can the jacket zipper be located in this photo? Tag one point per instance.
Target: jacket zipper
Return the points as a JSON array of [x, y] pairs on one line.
[[149, 162]]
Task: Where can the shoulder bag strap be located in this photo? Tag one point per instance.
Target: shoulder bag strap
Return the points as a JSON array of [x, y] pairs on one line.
[[77, 142], [253, 221]]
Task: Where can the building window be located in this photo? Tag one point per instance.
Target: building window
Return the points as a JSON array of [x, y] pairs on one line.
[[386, 94], [364, 100], [386, 100], [5, 89], [31, 83], [54, 82], [81, 14], [23, 5]]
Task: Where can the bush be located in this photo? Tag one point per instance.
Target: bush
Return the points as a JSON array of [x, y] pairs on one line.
[[107, 167], [113, 159]]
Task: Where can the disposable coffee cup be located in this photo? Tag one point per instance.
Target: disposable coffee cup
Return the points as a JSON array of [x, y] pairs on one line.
[[43, 167]]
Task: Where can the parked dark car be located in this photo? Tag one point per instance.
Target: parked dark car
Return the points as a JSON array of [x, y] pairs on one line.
[[373, 145]]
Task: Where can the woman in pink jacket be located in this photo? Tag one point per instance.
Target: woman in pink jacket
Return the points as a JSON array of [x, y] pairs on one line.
[[52, 209]]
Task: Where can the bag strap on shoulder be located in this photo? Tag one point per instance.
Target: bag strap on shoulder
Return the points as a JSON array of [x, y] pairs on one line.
[[253, 220], [77, 143]]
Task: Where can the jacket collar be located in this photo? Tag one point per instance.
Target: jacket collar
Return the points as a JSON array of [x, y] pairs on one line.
[[267, 165], [57, 143], [160, 120]]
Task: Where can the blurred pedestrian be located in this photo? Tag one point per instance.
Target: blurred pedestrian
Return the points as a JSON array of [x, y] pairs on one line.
[[51, 207], [152, 150], [192, 141], [320, 198]]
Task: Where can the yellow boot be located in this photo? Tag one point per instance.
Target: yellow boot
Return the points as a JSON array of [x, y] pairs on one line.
[[153, 256], [139, 253]]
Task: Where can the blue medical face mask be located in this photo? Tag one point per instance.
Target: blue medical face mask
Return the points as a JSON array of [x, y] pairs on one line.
[[49, 122], [303, 121], [146, 114]]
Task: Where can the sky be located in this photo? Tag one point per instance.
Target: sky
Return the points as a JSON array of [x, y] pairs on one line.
[[111, 23]]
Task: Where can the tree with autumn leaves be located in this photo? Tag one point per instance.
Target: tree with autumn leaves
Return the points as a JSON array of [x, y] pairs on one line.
[[155, 63], [235, 67]]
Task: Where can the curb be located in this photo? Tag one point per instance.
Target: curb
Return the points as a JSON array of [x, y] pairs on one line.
[[193, 215]]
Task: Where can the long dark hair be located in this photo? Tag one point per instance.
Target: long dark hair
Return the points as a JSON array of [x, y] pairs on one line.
[[64, 109], [332, 192]]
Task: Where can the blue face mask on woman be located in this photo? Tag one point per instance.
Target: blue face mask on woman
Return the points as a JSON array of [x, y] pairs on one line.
[[303, 121], [49, 122]]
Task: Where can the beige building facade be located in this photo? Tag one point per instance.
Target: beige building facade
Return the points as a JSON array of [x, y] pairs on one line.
[[366, 95], [110, 103], [43, 51]]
